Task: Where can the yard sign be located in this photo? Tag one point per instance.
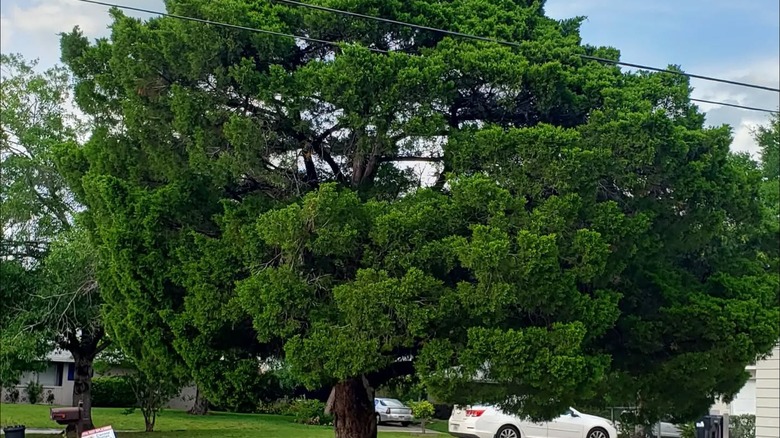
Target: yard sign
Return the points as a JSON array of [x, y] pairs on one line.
[[103, 432]]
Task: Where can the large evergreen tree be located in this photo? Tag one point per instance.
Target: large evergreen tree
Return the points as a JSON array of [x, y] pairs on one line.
[[250, 198]]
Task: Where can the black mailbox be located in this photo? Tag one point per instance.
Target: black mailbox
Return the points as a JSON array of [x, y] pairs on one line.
[[72, 417], [710, 426]]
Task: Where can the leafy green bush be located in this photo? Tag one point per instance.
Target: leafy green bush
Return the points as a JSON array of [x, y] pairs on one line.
[[112, 392], [34, 391], [309, 411], [276, 407], [422, 410], [742, 426], [687, 430]]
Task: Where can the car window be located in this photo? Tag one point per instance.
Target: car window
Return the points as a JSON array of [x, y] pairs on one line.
[[382, 403], [394, 403]]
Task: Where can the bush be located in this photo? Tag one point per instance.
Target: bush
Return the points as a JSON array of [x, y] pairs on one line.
[[112, 392], [742, 426], [278, 407], [309, 411], [34, 391], [422, 410]]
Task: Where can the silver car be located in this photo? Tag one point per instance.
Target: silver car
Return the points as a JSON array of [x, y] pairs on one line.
[[390, 410]]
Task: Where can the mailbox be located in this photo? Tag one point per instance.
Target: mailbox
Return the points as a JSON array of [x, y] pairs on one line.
[[66, 415], [711, 426], [72, 417]]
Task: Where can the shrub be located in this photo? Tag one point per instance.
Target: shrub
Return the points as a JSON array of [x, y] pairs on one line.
[[112, 392], [422, 410], [687, 430], [277, 407], [309, 411], [50, 397], [742, 426], [34, 391]]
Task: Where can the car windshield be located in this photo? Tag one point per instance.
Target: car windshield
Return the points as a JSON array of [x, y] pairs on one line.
[[393, 403]]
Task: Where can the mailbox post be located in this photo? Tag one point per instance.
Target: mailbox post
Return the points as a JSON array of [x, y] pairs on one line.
[[73, 418]]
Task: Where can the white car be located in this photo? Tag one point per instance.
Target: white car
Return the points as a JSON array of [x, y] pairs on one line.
[[490, 422]]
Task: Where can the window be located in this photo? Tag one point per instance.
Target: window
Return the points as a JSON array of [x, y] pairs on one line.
[[71, 371], [52, 375]]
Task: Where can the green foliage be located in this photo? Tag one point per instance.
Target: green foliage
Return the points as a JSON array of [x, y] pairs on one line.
[[688, 430], [309, 411], [34, 392], [19, 350], [587, 235], [422, 410], [742, 426], [276, 407], [36, 203], [112, 392]]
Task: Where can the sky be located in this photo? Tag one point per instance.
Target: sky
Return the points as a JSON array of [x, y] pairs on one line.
[[737, 40]]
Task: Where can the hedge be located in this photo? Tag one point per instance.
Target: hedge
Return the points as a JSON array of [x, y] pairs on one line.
[[112, 392]]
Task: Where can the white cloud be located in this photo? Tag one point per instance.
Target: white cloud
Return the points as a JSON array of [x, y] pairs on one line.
[[32, 27], [6, 34], [764, 72], [53, 16]]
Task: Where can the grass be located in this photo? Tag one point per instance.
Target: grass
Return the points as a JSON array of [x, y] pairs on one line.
[[177, 424]]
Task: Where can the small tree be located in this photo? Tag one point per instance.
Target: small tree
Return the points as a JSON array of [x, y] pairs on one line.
[[152, 392], [423, 411]]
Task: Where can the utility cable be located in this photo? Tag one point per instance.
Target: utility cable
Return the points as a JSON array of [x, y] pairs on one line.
[[515, 44], [333, 43]]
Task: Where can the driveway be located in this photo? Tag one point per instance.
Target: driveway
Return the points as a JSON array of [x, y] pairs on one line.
[[411, 429]]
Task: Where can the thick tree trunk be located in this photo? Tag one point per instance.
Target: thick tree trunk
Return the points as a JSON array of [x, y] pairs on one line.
[[353, 409], [82, 386], [200, 406]]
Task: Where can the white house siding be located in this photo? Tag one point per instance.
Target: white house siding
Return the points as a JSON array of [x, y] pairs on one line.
[[768, 396], [56, 380]]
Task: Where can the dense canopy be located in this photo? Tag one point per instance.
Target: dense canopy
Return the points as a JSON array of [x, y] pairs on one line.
[[583, 238]]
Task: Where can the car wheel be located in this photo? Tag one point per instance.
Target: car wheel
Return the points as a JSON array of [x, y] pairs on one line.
[[598, 432], [508, 432]]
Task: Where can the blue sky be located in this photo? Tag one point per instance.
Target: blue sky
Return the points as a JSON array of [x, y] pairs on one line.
[[738, 40]]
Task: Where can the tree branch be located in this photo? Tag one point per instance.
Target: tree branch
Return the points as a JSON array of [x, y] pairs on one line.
[[401, 158], [317, 146]]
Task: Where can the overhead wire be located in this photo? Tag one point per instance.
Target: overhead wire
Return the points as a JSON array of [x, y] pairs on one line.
[[338, 44], [516, 44]]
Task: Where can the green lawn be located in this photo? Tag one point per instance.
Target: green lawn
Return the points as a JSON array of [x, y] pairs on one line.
[[176, 424]]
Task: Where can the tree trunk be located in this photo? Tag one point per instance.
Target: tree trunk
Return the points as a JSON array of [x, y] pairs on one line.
[[200, 406], [353, 409], [82, 386]]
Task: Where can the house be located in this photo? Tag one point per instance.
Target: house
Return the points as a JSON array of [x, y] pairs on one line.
[[760, 397], [768, 396], [57, 381]]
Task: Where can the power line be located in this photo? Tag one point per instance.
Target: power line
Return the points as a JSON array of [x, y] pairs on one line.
[[217, 23], [514, 44], [734, 105], [333, 43]]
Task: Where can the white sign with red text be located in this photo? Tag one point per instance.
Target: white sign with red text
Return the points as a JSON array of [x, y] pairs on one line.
[[103, 432]]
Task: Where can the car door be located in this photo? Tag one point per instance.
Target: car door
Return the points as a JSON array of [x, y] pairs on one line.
[[568, 425], [533, 430]]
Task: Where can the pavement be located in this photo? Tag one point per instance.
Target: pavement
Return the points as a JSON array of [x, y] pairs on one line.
[[410, 429]]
